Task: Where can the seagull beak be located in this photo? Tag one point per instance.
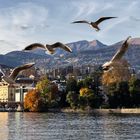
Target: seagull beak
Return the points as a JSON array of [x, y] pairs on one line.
[[105, 68], [32, 63], [129, 38], [70, 50], [51, 52]]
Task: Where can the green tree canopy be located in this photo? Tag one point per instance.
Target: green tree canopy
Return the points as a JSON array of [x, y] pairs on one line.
[[72, 99], [134, 89], [71, 85], [49, 91], [119, 95], [42, 84]]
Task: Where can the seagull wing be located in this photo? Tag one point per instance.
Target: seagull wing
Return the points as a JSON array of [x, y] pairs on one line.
[[81, 21], [1, 71], [121, 51], [34, 46], [20, 68], [61, 45], [102, 19]]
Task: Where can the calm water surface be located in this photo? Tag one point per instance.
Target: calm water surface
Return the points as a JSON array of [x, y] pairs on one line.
[[68, 126]]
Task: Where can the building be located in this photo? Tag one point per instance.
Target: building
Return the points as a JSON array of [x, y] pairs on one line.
[[21, 92], [15, 93], [23, 86], [7, 92]]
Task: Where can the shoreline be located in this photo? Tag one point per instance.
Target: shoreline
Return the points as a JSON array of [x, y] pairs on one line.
[[94, 111], [104, 111]]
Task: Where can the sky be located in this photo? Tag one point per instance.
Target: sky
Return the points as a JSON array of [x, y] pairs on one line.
[[23, 22]]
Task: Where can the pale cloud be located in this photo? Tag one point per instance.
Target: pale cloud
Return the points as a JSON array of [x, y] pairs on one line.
[[120, 24], [134, 18], [19, 24], [90, 8], [27, 14], [112, 25], [27, 22]]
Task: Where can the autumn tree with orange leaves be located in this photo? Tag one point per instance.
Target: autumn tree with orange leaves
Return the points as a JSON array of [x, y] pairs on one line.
[[34, 101], [119, 73]]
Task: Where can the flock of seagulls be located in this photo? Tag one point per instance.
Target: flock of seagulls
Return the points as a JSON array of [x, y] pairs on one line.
[[52, 48]]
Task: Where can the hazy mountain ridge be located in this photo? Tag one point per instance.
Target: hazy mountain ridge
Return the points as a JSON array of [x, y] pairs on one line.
[[84, 52], [8, 61]]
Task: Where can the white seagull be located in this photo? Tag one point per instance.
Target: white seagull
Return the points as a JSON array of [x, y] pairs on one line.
[[94, 24], [117, 57], [49, 48], [12, 77]]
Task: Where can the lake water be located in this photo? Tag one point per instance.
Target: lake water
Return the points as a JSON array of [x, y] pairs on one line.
[[68, 126]]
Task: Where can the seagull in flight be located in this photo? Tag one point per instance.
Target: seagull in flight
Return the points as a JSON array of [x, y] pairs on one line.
[[117, 57], [49, 48], [12, 77], [94, 24]]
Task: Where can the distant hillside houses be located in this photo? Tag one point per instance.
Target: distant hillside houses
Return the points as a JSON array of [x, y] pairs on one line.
[[84, 53]]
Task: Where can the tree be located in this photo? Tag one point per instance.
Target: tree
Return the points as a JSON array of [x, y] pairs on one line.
[[123, 91], [134, 89], [49, 91], [42, 84], [51, 95], [34, 101], [86, 97], [88, 82], [119, 72], [118, 94], [72, 99], [96, 78], [80, 85], [71, 85]]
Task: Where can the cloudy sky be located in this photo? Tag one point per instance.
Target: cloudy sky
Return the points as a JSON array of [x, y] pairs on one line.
[[46, 21]]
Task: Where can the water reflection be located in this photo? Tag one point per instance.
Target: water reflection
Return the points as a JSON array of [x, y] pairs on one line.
[[68, 126], [3, 126]]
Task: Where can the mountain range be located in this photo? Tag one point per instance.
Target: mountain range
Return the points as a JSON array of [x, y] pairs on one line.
[[84, 52]]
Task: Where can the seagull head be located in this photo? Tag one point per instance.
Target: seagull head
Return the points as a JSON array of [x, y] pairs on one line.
[[106, 66], [51, 52], [49, 49], [70, 50]]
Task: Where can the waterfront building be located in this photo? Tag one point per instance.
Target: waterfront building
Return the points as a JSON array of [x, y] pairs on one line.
[[15, 93], [7, 92]]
